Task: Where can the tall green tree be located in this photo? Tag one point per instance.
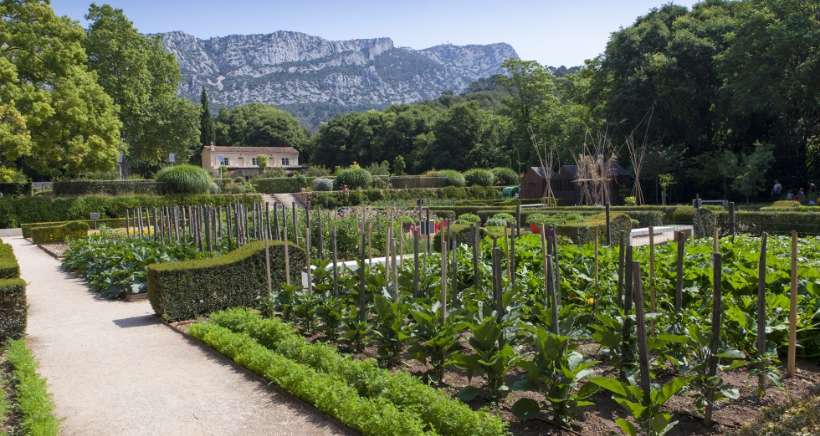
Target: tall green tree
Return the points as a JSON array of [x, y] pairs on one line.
[[142, 78], [61, 121], [206, 122], [261, 125]]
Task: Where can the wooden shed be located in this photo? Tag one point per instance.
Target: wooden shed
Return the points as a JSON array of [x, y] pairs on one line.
[[564, 185]]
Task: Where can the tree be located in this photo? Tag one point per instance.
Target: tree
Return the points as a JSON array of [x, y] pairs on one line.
[[398, 165], [206, 122], [62, 121], [457, 132], [260, 125], [751, 177], [262, 162], [142, 78]]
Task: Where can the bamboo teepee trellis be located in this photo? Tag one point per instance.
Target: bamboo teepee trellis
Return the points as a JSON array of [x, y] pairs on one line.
[[547, 155], [594, 164]]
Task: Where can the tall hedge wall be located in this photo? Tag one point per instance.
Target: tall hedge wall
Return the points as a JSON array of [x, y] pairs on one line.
[[16, 211], [184, 290], [8, 263], [110, 187], [15, 189]]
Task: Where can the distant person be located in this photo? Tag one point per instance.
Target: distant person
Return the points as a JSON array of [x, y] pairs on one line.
[[777, 189], [789, 195], [801, 195], [811, 198]]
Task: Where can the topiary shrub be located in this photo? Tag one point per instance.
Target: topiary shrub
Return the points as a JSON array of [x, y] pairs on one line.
[[8, 263], [183, 179], [479, 177], [323, 184], [12, 308], [454, 178], [184, 290], [354, 177], [501, 219], [468, 218], [505, 176]]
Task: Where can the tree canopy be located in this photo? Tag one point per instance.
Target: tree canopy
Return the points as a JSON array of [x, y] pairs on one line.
[[260, 125]]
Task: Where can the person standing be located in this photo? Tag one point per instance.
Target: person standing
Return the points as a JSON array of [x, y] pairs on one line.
[[777, 189], [811, 196]]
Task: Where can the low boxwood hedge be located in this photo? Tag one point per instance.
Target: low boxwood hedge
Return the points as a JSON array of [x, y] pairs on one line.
[[110, 187], [59, 233], [112, 223], [9, 268], [354, 198], [184, 290], [12, 308], [282, 185]]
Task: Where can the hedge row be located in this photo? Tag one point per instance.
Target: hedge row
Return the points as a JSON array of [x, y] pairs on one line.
[[8, 263], [184, 290], [15, 189], [443, 414], [34, 404], [59, 232], [325, 391], [112, 223], [281, 185], [12, 308], [16, 211], [110, 187], [353, 198]]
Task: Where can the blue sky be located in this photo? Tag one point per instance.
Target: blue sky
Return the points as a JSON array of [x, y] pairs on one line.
[[552, 32]]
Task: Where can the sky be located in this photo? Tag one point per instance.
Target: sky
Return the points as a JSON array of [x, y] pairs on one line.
[[551, 32]]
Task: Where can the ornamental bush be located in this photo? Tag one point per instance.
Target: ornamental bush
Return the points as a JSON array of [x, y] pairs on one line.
[[59, 233], [183, 179], [8, 263], [184, 290], [468, 218], [505, 176], [354, 177], [323, 184], [479, 177], [454, 178]]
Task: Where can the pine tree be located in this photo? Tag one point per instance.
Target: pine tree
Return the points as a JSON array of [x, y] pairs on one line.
[[206, 123]]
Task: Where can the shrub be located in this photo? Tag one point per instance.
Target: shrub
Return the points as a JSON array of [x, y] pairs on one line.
[[31, 393], [317, 171], [416, 182], [479, 177], [505, 176], [12, 308], [630, 201], [8, 263], [326, 392], [553, 219], [454, 178], [683, 215], [59, 233], [183, 290], [281, 185], [446, 415], [501, 219], [354, 177], [468, 218], [705, 223], [14, 189], [647, 218], [183, 179], [323, 184]]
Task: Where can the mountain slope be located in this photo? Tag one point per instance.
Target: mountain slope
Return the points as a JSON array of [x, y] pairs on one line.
[[317, 78]]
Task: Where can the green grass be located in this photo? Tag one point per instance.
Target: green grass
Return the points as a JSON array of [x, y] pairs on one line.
[[31, 392], [5, 405]]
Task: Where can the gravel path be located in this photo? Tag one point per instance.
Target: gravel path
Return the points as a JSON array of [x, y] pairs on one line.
[[113, 368]]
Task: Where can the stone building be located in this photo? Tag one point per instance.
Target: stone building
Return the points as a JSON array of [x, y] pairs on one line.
[[242, 161]]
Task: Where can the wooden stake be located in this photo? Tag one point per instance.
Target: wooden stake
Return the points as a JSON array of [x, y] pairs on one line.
[[627, 350], [643, 351], [476, 250], [498, 296], [443, 293], [362, 265], [653, 303], [621, 266], [597, 265], [714, 342], [792, 352], [608, 226], [287, 255], [127, 222], [416, 290], [761, 316], [680, 238], [335, 259]]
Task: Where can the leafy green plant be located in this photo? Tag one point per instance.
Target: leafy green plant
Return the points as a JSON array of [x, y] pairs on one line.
[[183, 179], [556, 370], [389, 330], [489, 355], [354, 177], [479, 177], [505, 176], [647, 412], [433, 338]]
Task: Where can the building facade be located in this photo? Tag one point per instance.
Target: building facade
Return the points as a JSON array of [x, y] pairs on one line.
[[243, 161]]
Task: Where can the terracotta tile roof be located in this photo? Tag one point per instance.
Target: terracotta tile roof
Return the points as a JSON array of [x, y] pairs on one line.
[[261, 150]]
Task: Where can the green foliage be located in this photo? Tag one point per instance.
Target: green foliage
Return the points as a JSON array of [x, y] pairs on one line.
[[31, 392], [206, 122], [445, 415], [646, 411], [398, 165], [259, 125], [379, 168], [279, 185], [59, 232], [354, 177], [389, 329], [468, 218], [184, 179], [454, 178], [114, 266], [489, 356], [183, 290], [11, 175], [57, 119], [13, 308], [322, 184], [751, 176], [479, 177], [262, 162], [9, 268], [501, 219], [325, 391], [505, 176], [433, 338], [109, 187]]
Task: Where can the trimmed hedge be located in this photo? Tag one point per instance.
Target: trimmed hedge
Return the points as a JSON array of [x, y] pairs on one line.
[[12, 308], [31, 393], [324, 391], [584, 232], [444, 414], [110, 187], [505, 176], [113, 223], [42, 208], [354, 177], [184, 290], [15, 189], [59, 233], [9, 268], [417, 182], [281, 185], [353, 198], [479, 177]]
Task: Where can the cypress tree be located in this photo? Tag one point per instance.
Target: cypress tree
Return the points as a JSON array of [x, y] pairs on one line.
[[206, 123]]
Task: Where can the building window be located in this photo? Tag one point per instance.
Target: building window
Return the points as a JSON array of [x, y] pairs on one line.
[[254, 162], [285, 161], [223, 161]]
